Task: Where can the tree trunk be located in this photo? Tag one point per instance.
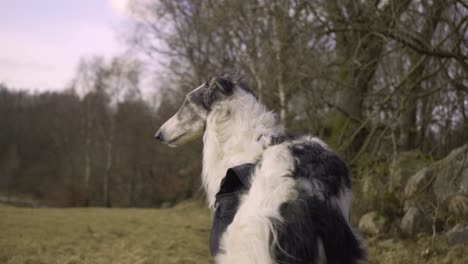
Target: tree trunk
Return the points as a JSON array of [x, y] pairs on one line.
[[412, 86], [359, 53], [278, 22], [109, 159], [87, 171], [87, 153]]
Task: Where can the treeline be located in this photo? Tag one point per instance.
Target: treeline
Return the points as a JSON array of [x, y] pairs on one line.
[[91, 150], [373, 78], [349, 70]]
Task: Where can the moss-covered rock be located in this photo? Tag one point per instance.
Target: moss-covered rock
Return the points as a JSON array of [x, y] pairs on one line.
[[442, 187], [458, 235], [415, 222], [452, 174], [405, 166], [373, 223]]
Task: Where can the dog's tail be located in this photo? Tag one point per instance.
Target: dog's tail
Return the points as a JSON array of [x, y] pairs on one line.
[[315, 230]]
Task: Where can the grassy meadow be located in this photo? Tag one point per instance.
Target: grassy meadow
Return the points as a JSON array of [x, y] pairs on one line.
[[175, 235], [97, 235]]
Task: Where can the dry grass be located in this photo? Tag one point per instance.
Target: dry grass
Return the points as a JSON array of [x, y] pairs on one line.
[[96, 235], [412, 251], [177, 235]]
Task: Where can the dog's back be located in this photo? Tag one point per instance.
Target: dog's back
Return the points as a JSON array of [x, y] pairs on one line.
[[301, 196], [315, 226]]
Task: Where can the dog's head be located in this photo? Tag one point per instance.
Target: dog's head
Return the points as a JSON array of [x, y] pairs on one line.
[[189, 122]]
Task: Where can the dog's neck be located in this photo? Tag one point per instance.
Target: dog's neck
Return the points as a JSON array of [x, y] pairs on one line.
[[236, 132]]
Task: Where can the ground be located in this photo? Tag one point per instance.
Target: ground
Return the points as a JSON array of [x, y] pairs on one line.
[[97, 235], [176, 235]]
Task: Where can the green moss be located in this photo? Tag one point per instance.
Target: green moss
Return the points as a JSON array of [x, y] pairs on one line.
[[390, 205], [376, 216], [335, 128]]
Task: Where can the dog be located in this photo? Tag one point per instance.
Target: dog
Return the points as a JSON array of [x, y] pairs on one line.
[[286, 199]]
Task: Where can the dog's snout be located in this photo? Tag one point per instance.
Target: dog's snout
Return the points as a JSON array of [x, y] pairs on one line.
[[158, 136]]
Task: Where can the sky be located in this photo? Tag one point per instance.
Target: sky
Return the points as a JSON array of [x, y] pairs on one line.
[[41, 41]]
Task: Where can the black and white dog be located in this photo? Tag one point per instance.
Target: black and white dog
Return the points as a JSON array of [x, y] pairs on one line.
[[276, 199]]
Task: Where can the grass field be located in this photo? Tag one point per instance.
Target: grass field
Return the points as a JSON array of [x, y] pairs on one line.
[[176, 235], [96, 235]]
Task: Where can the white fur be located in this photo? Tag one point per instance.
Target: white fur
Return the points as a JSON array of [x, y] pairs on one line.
[[344, 202], [231, 137], [321, 257], [312, 139], [270, 189]]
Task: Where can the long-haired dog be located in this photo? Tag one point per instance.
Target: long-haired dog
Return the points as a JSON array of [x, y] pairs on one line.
[[276, 199]]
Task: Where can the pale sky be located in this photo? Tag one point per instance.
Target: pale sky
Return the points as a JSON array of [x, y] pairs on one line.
[[41, 41]]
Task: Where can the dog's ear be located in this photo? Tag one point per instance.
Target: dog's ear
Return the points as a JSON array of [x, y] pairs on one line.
[[218, 88], [224, 86]]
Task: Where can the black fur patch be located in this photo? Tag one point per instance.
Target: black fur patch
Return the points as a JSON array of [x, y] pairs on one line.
[[236, 181], [311, 218], [313, 161], [225, 86], [217, 89], [197, 97], [305, 222]]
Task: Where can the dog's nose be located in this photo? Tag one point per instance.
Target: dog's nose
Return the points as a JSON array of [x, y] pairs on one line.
[[158, 136]]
